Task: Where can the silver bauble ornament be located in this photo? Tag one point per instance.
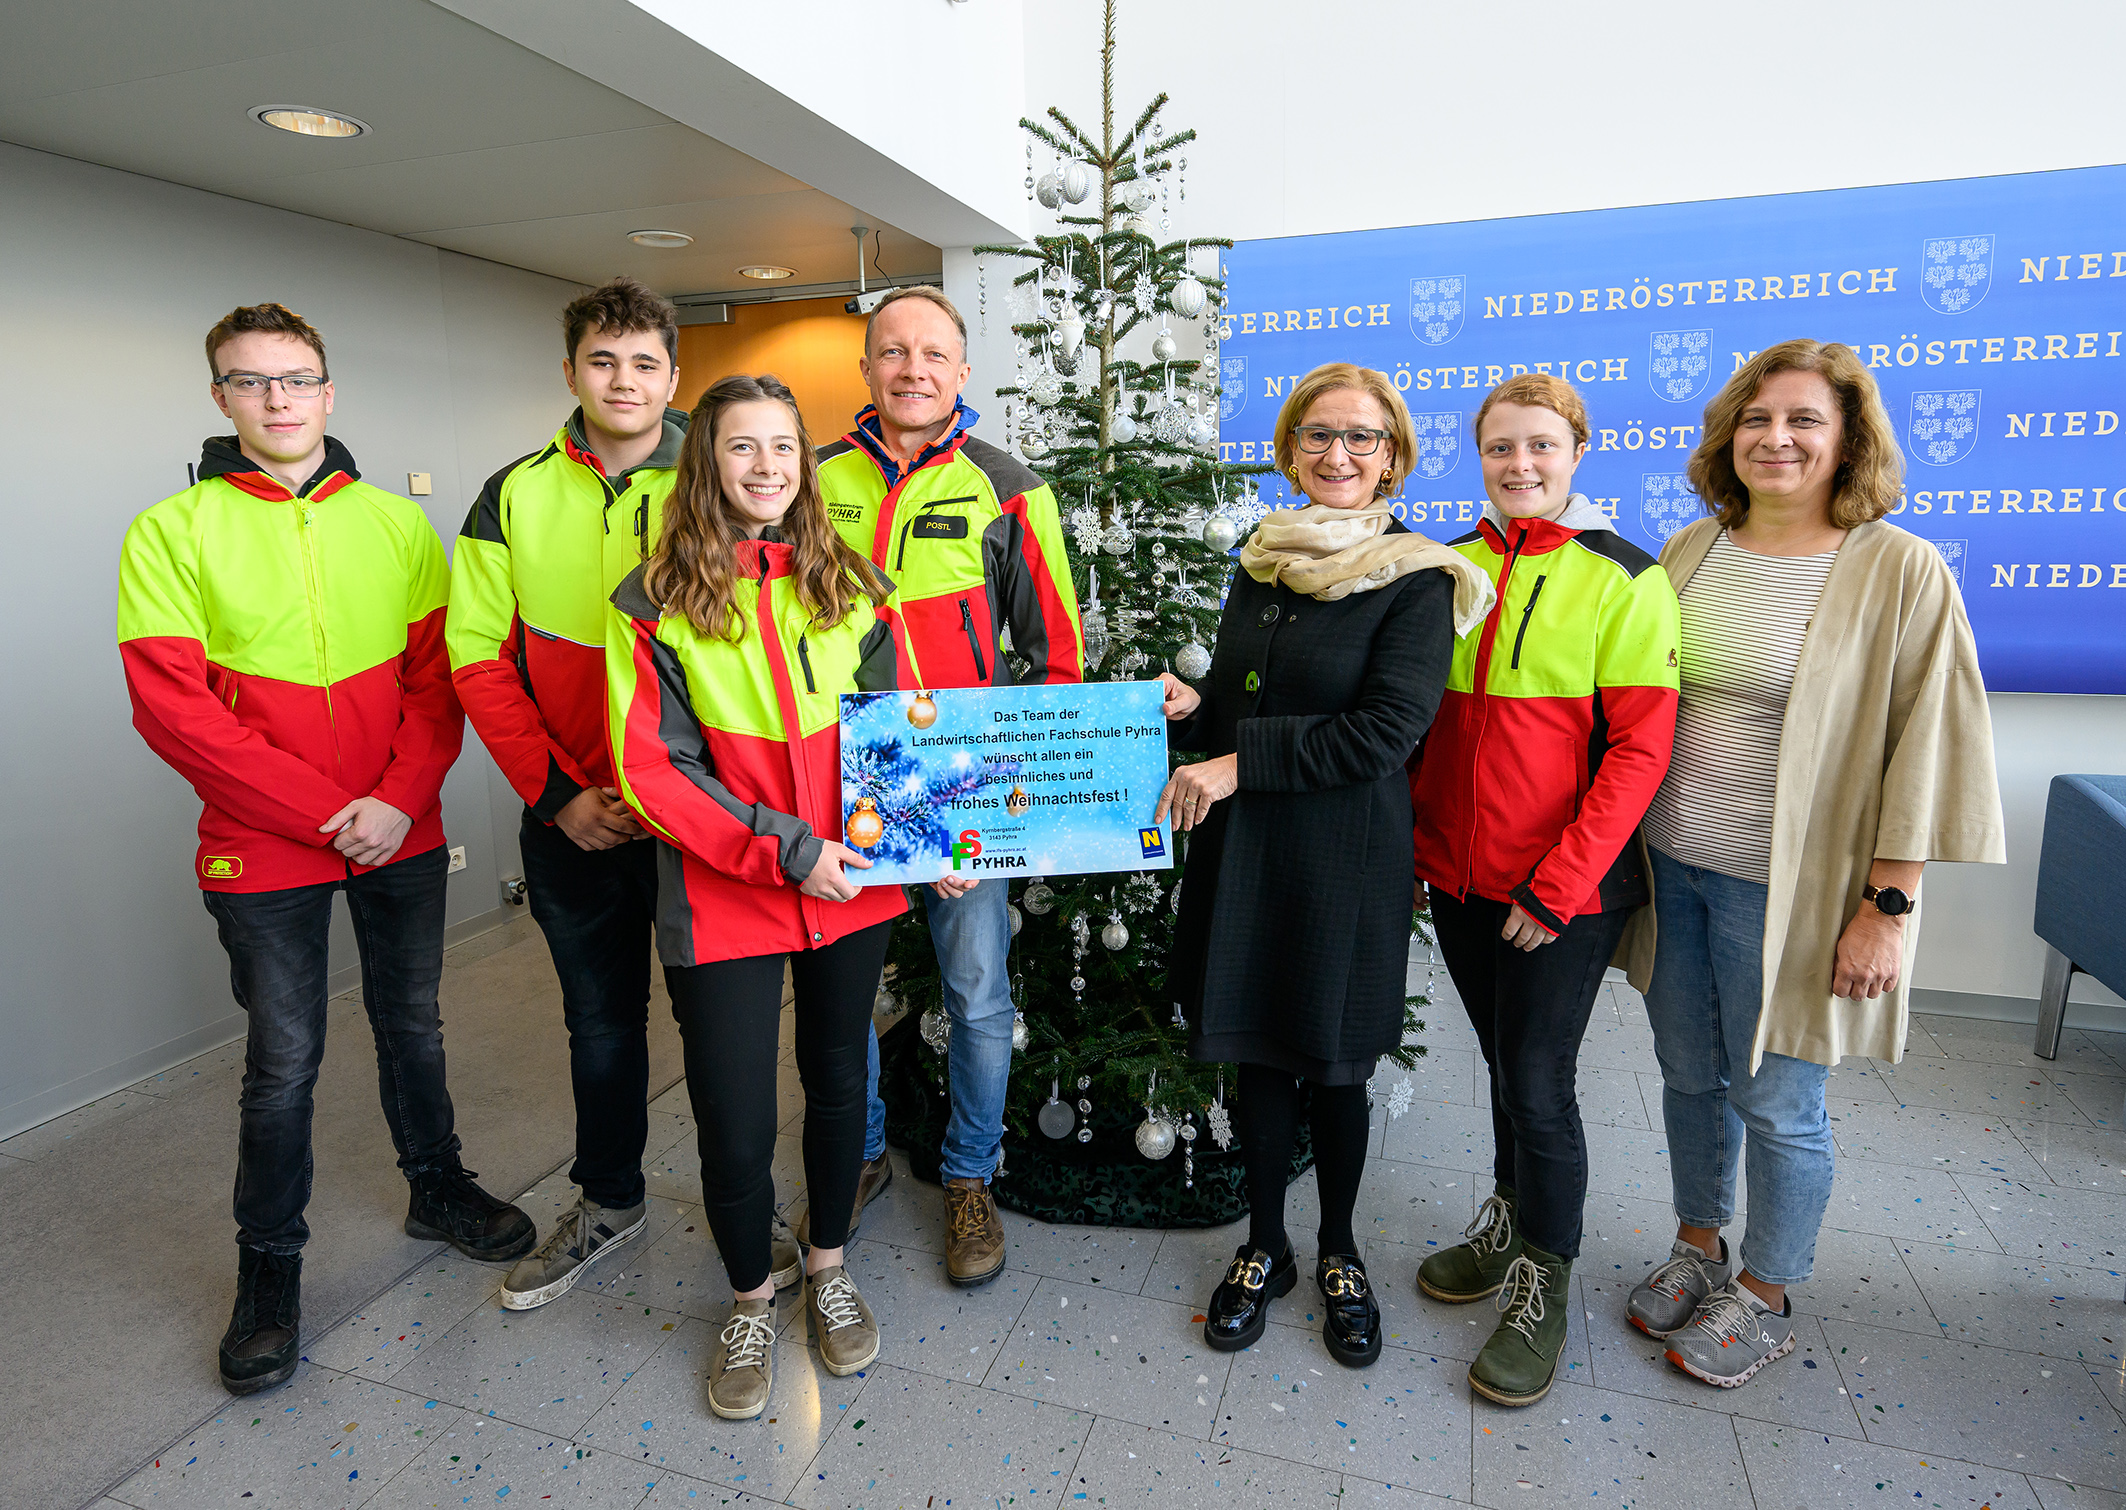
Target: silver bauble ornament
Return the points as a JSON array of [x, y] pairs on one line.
[[1201, 432], [1074, 182], [1192, 662], [1155, 1138], [1220, 533], [1188, 298], [1066, 362], [1122, 429], [1018, 1033], [1049, 190], [1163, 347], [1171, 424], [1115, 935], [1055, 1119], [1032, 447], [1140, 196], [1118, 539], [1018, 918], [1077, 983], [1046, 390], [1037, 899], [936, 1029]]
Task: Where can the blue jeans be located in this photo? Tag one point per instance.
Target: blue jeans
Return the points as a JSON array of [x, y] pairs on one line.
[[277, 970], [1706, 995], [972, 934]]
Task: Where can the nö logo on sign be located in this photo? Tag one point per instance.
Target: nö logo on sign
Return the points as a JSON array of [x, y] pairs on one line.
[[1955, 272], [1232, 386], [1439, 443], [1666, 503], [1436, 307], [1680, 362], [1152, 842], [1944, 426]]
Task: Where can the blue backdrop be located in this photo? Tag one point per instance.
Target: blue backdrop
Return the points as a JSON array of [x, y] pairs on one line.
[[1991, 311]]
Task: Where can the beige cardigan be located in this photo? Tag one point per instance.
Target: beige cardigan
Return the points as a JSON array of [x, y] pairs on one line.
[[1886, 753]]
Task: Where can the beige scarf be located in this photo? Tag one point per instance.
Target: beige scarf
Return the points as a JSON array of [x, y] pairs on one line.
[[1330, 553]]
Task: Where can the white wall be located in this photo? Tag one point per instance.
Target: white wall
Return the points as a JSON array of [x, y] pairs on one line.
[[1359, 114], [443, 364]]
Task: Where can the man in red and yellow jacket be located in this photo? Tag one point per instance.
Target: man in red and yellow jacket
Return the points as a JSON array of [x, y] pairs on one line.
[[549, 538], [975, 542], [281, 627]]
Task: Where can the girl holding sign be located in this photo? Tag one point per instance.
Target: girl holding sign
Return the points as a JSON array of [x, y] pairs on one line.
[[1552, 738], [726, 656]]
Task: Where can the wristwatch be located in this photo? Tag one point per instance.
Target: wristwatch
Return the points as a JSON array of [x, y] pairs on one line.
[[1888, 900]]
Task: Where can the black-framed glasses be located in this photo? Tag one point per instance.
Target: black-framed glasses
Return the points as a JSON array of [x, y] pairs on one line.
[[1315, 439], [258, 384]]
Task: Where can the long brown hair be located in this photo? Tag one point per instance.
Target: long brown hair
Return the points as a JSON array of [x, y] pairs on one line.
[[694, 572], [1870, 476]]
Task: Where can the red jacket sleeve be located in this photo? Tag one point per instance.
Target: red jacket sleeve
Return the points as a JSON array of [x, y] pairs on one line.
[[431, 725], [1038, 600]]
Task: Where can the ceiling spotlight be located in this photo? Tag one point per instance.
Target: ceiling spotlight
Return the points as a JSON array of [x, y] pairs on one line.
[[664, 240], [304, 121], [767, 272]]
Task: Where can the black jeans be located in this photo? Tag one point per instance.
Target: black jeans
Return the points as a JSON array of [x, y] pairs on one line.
[[276, 942], [597, 908], [1530, 1009], [728, 1013]]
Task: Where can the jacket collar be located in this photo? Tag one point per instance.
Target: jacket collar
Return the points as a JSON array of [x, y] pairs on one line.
[[1532, 537], [666, 455], [872, 437], [764, 557], [222, 456]]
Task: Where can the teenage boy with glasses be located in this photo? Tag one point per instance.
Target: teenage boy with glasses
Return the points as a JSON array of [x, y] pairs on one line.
[[281, 627]]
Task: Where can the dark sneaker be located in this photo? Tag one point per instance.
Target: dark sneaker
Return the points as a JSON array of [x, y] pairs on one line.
[[871, 1181], [742, 1364], [1517, 1365], [586, 1233], [1663, 1303], [1240, 1306], [786, 1262], [446, 1206], [1732, 1336], [1351, 1329], [842, 1325], [260, 1349], [974, 1237], [1475, 1269]]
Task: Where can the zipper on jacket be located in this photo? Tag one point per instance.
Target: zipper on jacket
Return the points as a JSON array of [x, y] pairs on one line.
[[901, 558], [804, 659], [974, 642], [642, 527], [1525, 613], [313, 588]]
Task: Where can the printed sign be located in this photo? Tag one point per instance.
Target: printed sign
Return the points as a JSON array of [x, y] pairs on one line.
[[2000, 352], [1004, 781]]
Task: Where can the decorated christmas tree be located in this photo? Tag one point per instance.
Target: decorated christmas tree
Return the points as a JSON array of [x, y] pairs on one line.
[[1113, 410]]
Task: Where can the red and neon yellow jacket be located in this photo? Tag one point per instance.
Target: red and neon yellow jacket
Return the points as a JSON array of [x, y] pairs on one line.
[[1557, 722], [975, 543], [731, 753], [542, 549], [284, 653]]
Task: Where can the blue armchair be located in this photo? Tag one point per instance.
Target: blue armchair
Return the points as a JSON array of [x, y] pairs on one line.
[[2081, 894]]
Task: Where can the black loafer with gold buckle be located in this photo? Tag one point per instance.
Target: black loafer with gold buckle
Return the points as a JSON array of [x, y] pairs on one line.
[[1240, 1306], [1351, 1330]]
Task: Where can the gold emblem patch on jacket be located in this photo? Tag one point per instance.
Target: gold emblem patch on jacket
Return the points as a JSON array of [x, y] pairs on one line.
[[220, 867]]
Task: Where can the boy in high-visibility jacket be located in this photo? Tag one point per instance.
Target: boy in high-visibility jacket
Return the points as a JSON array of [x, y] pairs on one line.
[[281, 627]]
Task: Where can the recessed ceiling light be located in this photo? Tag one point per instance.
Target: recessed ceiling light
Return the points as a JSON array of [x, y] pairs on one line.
[[304, 121], [767, 272], [668, 240]]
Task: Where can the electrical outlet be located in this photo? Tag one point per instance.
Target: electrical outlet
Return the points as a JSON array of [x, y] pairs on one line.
[[457, 858], [419, 484]]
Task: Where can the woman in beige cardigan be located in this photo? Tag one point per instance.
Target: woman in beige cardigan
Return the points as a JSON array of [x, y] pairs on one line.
[[1832, 737]]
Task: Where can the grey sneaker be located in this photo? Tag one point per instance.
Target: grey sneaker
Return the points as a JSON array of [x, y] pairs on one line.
[[585, 1234], [842, 1324], [786, 1263], [1733, 1335], [1663, 1303], [742, 1364]]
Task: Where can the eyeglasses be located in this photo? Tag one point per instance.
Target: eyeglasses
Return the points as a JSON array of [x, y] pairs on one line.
[[1315, 439], [257, 384]]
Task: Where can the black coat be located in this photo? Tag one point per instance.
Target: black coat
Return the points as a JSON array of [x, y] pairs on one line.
[[1292, 944]]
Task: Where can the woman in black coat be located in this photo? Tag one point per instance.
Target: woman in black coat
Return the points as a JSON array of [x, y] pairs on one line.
[[1292, 945]]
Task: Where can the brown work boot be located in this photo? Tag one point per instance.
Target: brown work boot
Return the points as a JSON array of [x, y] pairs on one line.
[[870, 1180], [974, 1238], [842, 1324]]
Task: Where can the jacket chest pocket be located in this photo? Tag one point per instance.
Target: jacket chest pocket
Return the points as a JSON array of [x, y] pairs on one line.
[[938, 542]]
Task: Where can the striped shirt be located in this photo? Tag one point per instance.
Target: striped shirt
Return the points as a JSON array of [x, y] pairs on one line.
[[1744, 618]]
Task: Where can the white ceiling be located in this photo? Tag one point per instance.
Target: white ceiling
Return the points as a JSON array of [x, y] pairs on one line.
[[476, 144]]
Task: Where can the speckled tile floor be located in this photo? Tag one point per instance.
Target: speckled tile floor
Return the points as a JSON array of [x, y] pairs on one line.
[[1959, 1345]]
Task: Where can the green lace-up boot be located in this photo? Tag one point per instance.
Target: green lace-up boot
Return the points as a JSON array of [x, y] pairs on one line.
[[1475, 1269], [1518, 1364]]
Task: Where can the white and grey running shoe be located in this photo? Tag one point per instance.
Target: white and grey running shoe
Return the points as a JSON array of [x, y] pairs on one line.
[[585, 1234], [1663, 1303], [1733, 1335]]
